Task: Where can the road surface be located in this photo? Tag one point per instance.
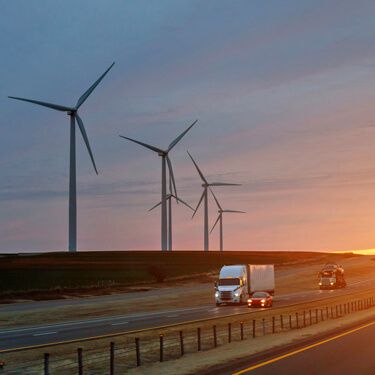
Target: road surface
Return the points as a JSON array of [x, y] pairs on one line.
[[52, 333], [349, 352]]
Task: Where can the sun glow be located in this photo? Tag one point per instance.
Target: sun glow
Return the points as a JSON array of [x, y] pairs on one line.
[[362, 252]]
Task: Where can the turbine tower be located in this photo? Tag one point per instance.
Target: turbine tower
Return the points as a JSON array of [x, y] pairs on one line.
[[169, 201], [204, 197], [74, 117], [164, 160], [220, 219]]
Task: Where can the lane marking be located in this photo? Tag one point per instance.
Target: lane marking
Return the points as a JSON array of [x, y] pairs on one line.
[[119, 324], [44, 333], [265, 363], [171, 316], [100, 320]]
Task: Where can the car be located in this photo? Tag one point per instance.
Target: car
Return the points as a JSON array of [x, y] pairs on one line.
[[260, 299]]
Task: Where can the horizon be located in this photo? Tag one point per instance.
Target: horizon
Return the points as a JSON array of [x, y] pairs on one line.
[[283, 93]]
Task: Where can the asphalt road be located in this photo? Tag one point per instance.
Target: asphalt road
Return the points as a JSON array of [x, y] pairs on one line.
[[350, 352], [78, 329]]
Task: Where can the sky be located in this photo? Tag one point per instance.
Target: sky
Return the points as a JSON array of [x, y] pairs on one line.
[[284, 92]]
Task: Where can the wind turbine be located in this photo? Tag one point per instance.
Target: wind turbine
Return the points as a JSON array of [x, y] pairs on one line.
[[169, 201], [164, 160], [73, 113], [204, 197], [220, 218]]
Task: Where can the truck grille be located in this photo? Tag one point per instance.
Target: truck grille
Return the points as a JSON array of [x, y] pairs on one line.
[[325, 282], [226, 295]]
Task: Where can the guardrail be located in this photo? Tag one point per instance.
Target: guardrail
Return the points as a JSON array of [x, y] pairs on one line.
[[175, 343]]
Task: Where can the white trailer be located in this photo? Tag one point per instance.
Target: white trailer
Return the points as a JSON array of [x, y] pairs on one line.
[[238, 282]]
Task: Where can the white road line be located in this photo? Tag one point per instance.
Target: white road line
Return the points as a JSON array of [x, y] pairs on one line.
[[44, 333], [171, 316], [119, 324]]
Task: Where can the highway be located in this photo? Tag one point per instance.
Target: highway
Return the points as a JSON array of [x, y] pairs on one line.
[[26, 336], [348, 352]]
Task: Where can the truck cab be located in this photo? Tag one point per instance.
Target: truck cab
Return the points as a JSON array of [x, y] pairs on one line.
[[331, 276], [232, 285]]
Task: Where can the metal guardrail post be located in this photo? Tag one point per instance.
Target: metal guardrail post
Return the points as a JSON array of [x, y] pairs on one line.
[[137, 352], [241, 331], [46, 363], [199, 338], [304, 318], [310, 318], [253, 328], [161, 346], [297, 324], [181, 343], [215, 336], [229, 332], [264, 326], [80, 361], [112, 359], [281, 321], [273, 324]]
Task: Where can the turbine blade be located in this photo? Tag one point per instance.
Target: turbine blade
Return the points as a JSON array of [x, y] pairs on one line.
[[158, 204], [199, 171], [217, 202], [87, 93], [57, 107], [171, 175], [200, 201], [217, 220], [153, 207], [235, 212], [183, 202], [84, 135], [180, 136], [222, 184], [158, 150]]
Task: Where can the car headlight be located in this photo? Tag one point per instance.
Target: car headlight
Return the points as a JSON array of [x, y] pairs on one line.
[[249, 300], [237, 294], [217, 294], [263, 300], [320, 283], [331, 283]]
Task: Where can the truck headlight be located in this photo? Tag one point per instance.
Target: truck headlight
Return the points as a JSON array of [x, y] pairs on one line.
[[217, 294], [320, 283], [331, 283], [237, 294]]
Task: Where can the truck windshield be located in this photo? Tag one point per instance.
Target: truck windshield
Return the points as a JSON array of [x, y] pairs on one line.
[[234, 281]]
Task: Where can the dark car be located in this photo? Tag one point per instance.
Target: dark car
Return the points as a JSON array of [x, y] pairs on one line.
[[260, 299]]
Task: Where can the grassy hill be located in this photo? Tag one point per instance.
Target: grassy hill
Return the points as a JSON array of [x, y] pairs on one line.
[[105, 269]]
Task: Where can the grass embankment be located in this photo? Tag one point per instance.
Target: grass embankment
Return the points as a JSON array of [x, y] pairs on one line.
[[26, 275]]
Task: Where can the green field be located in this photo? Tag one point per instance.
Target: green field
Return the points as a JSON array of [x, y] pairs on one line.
[[66, 271]]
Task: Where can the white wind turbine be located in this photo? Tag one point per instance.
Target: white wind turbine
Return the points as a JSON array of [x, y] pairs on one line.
[[220, 219], [164, 159], [73, 113], [204, 197]]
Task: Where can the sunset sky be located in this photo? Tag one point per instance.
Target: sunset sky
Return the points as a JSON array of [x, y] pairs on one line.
[[285, 96]]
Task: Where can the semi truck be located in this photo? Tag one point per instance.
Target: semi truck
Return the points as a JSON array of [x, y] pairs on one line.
[[238, 282], [331, 276]]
